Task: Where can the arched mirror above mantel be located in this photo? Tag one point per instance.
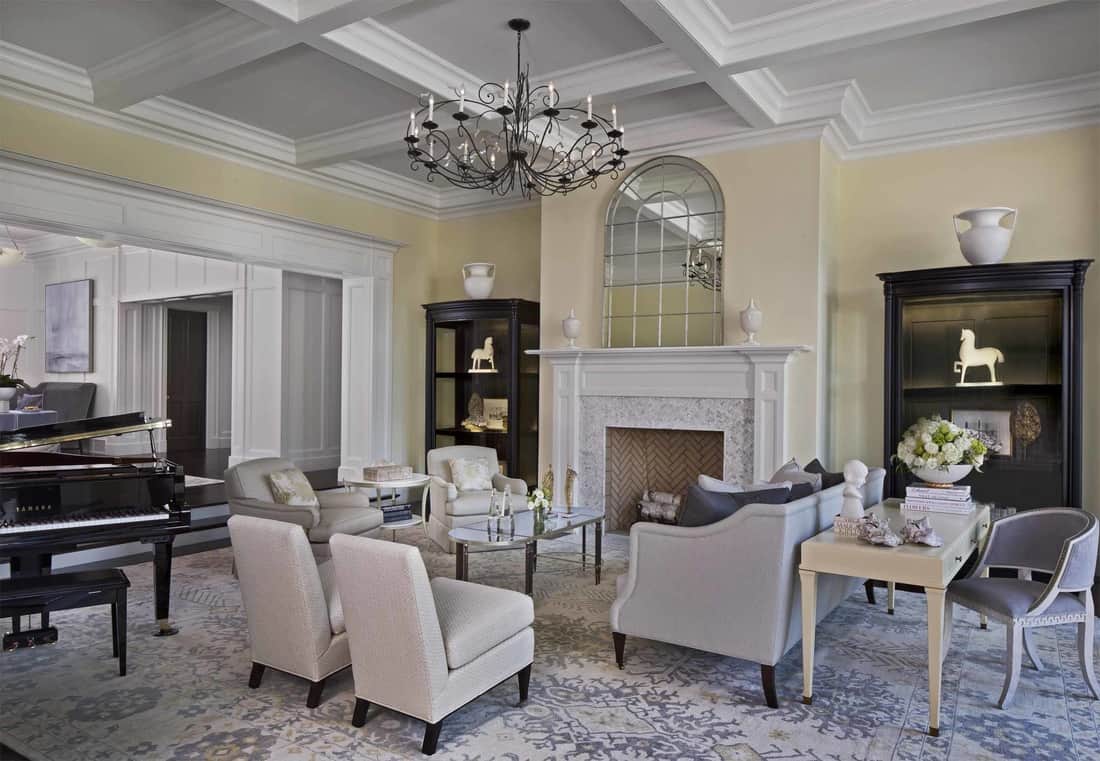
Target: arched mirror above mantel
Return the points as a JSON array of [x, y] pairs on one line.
[[663, 257]]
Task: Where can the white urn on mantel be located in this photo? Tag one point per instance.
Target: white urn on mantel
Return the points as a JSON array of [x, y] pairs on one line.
[[478, 278], [986, 241], [752, 320], [571, 328]]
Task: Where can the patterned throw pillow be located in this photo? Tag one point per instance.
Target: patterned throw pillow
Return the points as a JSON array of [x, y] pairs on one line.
[[794, 474], [291, 487], [709, 483], [471, 475]]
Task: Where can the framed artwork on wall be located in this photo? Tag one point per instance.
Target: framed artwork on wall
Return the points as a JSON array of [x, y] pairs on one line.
[[69, 327], [996, 424]]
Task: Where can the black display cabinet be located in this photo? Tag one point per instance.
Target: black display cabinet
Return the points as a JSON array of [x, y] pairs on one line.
[[1032, 314], [504, 414]]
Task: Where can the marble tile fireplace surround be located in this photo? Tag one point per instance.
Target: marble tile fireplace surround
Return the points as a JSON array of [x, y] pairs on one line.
[[738, 390]]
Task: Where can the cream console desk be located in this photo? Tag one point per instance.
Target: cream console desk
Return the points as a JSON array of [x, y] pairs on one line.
[[930, 567]]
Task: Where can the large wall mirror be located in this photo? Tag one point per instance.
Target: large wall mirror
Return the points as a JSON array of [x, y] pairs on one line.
[[663, 257]]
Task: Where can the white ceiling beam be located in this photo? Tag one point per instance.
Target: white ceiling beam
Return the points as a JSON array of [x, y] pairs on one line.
[[244, 31], [211, 45], [663, 22], [630, 75], [824, 27], [356, 142]]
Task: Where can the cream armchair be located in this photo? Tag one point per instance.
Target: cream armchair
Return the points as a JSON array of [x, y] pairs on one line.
[[295, 620], [249, 493], [449, 507], [421, 648], [731, 587]]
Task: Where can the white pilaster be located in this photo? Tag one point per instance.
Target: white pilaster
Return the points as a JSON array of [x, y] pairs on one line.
[[257, 366], [366, 387]]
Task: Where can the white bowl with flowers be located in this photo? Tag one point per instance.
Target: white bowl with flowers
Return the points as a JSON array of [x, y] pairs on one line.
[[939, 452]]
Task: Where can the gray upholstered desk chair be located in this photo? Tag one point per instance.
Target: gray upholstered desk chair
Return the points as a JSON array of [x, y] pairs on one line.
[[1061, 541]]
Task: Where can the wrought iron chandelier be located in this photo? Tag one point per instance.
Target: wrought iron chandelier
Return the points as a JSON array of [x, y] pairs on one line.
[[506, 138], [704, 264]]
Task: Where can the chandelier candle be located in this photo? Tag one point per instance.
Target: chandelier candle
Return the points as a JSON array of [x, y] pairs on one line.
[[520, 139]]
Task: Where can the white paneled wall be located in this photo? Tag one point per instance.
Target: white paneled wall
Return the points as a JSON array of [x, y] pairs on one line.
[[312, 313]]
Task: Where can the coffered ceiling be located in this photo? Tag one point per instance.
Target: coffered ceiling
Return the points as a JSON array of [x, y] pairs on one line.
[[321, 89]]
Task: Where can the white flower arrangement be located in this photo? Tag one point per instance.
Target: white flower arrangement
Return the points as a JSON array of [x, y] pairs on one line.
[[10, 349], [538, 500], [936, 443]]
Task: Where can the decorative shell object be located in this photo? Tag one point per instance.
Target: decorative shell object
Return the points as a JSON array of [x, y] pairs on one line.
[[919, 531], [877, 531]]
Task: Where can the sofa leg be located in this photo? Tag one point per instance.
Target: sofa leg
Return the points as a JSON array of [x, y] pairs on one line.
[[524, 682], [767, 676], [431, 738], [359, 715], [869, 587], [314, 698], [256, 676], [620, 647]]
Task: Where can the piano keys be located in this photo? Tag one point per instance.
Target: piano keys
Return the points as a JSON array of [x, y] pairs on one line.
[[53, 502]]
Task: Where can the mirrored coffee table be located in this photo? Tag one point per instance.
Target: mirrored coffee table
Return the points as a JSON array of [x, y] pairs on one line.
[[522, 530]]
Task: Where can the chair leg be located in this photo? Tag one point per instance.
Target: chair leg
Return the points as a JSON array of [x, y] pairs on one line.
[[359, 715], [869, 588], [1013, 657], [314, 698], [524, 682], [257, 675], [767, 676], [114, 629], [120, 622], [1032, 652], [1084, 651], [620, 647], [431, 738]]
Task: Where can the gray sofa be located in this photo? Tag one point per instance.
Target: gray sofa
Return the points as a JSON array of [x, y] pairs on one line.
[[731, 587]]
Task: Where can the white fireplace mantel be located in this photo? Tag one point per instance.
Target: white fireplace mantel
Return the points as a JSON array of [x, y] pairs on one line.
[[711, 373]]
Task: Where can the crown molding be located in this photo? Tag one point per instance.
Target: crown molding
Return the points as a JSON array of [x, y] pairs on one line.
[[23, 65], [629, 75]]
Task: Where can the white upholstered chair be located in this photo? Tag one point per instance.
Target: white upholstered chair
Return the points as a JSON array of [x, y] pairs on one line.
[[295, 621], [731, 587], [451, 507], [421, 648], [249, 493]]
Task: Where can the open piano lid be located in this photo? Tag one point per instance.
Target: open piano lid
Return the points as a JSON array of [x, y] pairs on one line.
[[79, 430]]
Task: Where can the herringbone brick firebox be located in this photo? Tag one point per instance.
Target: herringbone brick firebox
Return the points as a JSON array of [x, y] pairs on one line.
[[661, 459]]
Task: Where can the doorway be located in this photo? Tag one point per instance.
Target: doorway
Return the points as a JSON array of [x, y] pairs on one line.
[[186, 381]]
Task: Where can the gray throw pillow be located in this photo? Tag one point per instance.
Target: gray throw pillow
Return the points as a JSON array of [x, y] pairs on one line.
[[828, 479], [705, 507], [798, 491]]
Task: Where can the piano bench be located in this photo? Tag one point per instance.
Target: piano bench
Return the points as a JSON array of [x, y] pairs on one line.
[[65, 591]]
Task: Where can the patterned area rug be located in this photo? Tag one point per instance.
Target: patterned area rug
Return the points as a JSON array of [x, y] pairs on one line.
[[186, 698]]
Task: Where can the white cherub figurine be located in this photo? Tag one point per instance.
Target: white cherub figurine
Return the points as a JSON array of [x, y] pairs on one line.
[[855, 476]]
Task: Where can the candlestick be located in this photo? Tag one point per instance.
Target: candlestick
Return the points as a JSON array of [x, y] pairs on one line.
[[412, 123], [431, 108], [551, 87], [589, 108], [506, 92], [614, 118], [462, 99]]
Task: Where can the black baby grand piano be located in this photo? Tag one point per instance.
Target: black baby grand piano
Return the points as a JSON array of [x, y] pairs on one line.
[[53, 502]]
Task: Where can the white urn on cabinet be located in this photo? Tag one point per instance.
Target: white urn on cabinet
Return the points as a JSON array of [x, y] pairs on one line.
[[986, 241], [571, 328], [752, 320], [478, 278]]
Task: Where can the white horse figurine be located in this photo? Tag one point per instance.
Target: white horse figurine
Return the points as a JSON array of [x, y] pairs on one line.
[[971, 356], [484, 354]]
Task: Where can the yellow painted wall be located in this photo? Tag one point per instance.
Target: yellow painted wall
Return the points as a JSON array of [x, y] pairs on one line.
[[895, 214], [772, 197], [508, 239], [427, 268]]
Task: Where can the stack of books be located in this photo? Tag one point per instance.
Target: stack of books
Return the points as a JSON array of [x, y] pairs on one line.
[[396, 513], [938, 499]]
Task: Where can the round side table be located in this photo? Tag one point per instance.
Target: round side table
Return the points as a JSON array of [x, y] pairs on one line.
[[411, 482]]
